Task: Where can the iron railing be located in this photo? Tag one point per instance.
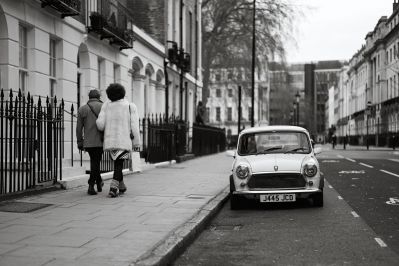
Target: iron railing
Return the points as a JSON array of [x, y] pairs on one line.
[[208, 140], [31, 142], [159, 136]]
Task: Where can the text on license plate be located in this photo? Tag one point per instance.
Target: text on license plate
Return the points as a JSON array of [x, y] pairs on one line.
[[277, 197]]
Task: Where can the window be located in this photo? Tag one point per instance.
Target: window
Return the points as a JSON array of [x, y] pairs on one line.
[[218, 114], [230, 76], [52, 69], [207, 114], [218, 93], [229, 114], [250, 113], [217, 77], [117, 73], [100, 67], [23, 58], [230, 92]]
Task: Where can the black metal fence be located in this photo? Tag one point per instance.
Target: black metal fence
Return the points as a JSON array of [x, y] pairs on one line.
[[31, 142], [160, 139], [208, 140]]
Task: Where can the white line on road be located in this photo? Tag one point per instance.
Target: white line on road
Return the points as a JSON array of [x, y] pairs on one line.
[[330, 186], [394, 160], [380, 242], [389, 173], [340, 156], [349, 159], [369, 166], [355, 214], [339, 197]]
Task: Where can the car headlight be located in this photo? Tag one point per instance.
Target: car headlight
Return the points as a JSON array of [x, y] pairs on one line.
[[243, 171], [310, 170]]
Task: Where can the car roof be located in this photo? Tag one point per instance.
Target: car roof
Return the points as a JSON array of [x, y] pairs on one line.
[[273, 128]]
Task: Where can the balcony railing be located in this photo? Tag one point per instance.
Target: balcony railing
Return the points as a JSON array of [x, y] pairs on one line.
[[112, 21], [65, 7]]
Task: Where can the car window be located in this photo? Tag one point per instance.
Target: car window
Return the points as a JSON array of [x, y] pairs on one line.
[[274, 142]]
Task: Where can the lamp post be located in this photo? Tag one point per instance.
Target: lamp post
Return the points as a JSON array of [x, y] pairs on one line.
[[292, 117], [253, 65], [295, 113], [297, 96], [367, 123]]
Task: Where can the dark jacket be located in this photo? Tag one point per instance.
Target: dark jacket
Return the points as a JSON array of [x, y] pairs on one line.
[[87, 133]]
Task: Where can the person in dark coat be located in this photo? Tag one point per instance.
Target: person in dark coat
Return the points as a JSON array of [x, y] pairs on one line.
[[90, 139]]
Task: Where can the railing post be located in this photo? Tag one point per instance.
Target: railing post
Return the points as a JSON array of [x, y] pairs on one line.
[[72, 136]]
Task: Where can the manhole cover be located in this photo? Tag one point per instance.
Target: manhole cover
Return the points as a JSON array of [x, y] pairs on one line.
[[21, 207]]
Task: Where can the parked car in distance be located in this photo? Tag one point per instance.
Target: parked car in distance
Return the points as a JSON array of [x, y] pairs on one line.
[[275, 164]]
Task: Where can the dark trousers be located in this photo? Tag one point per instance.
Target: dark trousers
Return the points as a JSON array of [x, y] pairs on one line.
[[95, 158], [118, 166]]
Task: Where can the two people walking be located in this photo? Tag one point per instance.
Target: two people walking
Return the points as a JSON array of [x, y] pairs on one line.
[[119, 123]]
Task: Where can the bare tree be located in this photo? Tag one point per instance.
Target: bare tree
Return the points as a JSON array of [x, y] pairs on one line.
[[227, 32]]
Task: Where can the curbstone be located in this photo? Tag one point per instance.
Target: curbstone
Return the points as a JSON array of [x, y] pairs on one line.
[[168, 249]]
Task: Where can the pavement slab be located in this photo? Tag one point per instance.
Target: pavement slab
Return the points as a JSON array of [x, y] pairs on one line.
[[142, 224]]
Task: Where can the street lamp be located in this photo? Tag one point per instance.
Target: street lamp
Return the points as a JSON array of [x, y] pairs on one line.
[[292, 117], [295, 113], [367, 123], [297, 96]]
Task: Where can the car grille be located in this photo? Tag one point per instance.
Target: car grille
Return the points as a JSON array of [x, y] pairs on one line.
[[276, 180]]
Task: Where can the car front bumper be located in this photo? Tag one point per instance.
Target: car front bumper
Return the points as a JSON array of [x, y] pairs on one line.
[[255, 194]]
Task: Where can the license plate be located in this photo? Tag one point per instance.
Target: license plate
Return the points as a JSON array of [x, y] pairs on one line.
[[277, 198]]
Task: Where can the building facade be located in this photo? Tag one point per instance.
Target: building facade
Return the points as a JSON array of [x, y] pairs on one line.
[[372, 88], [64, 49], [223, 101]]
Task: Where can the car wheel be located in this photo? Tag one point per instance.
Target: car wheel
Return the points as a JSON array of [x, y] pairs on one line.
[[235, 202], [318, 199]]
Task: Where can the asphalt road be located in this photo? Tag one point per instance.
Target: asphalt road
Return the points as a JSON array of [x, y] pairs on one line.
[[355, 227]]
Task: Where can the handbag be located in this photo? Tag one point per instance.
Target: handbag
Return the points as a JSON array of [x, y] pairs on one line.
[[96, 115]]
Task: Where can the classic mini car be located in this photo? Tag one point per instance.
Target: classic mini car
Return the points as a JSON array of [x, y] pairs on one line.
[[275, 164]]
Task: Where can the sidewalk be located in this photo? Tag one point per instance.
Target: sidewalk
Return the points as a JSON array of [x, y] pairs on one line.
[[160, 213]]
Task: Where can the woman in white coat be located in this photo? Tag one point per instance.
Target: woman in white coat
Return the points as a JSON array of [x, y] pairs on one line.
[[120, 122]]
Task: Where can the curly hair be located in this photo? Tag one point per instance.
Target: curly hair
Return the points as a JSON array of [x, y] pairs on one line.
[[115, 91]]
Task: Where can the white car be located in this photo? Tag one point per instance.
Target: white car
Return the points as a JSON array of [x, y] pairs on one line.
[[275, 164]]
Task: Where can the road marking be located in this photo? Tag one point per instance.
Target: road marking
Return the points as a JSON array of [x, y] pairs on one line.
[[330, 161], [349, 159], [393, 201], [340, 156], [352, 172], [339, 197], [369, 166], [389, 173], [380, 242], [394, 160], [330, 186], [355, 214]]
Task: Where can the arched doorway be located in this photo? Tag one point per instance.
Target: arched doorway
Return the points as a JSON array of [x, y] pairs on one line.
[[149, 99], [137, 95], [4, 52]]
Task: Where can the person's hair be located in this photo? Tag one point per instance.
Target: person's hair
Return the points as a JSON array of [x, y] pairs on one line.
[[115, 91], [94, 94]]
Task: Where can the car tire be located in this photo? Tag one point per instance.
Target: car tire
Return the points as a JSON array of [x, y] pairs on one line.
[[236, 202], [318, 200]]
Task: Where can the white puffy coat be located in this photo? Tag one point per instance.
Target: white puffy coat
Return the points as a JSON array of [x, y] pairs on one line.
[[114, 121]]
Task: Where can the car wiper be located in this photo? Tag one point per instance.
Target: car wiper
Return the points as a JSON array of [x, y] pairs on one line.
[[294, 150], [269, 149]]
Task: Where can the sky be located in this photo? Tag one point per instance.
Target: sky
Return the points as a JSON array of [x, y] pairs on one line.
[[334, 29]]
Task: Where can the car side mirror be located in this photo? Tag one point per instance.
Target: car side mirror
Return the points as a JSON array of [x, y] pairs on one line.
[[231, 153], [317, 150]]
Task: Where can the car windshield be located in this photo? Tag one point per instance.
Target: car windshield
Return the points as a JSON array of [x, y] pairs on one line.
[[273, 142]]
